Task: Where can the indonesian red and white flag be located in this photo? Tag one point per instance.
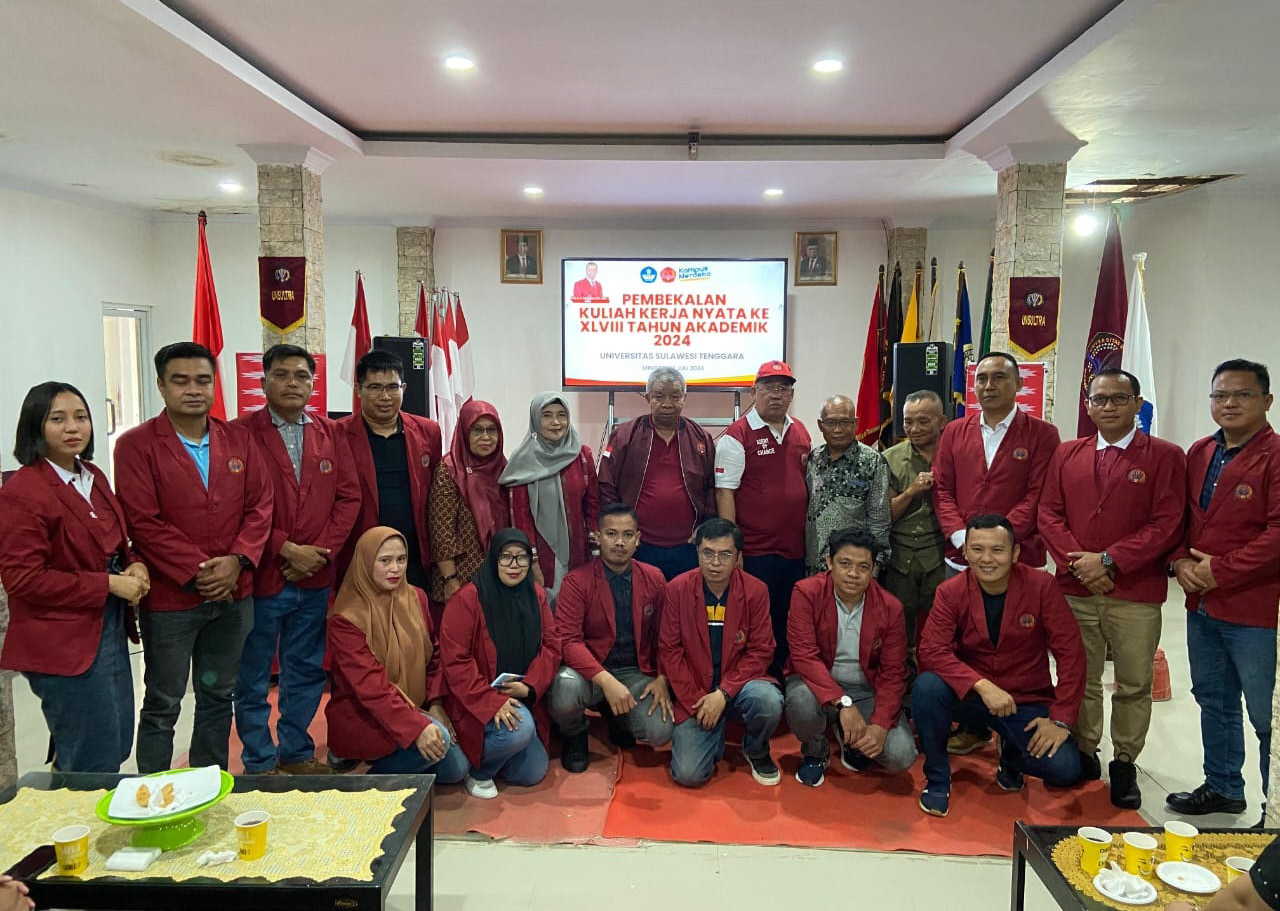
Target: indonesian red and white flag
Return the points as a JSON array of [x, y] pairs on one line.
[[206, 326], [422, 324], [443, 409], [464, 368], [359, 342]]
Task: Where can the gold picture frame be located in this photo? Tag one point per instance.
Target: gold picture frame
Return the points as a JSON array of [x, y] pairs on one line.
[[816, 266], [509, 253]]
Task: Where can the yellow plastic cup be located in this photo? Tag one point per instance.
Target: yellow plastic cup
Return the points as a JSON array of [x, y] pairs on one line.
[[71, 845], [1139, 853], [1237, 866], [251, 830], [1095, 843], [1179, 840]]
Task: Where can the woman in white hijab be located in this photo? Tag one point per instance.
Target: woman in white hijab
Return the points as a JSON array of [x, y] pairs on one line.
[[555, 497]]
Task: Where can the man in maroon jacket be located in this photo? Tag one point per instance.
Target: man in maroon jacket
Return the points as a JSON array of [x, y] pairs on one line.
[[1111, 511], [984, 659], [848, 664], [714, 647], [316, 500], [198, 504], [662, 466], [992, 461], [607, 618], [1229, 566]]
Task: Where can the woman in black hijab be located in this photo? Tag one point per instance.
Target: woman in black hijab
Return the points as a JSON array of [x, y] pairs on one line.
[[500, 624]]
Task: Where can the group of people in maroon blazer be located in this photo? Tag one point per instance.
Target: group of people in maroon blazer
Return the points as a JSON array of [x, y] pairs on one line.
[[460, 605]]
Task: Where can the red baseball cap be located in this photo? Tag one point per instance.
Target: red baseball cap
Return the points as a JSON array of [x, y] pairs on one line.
[[774, 368]]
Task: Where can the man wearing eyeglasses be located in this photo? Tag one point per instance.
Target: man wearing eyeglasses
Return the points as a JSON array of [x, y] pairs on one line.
[[760, 486], [714, 647], [395, 454], [1111, 510], [1229, 566], [848, 485]]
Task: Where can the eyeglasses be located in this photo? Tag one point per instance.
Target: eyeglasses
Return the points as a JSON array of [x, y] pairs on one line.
[[1120, 398], [378, 389], [484, 431], [513, 560], [1243, 396], [837, 424], [775, 388], [717, 556]]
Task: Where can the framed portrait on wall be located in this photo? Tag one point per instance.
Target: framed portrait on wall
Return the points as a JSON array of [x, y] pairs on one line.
[[521, 257], [815, 258]]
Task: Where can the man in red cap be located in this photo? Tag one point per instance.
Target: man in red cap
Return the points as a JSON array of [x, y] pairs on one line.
[[760, 462]]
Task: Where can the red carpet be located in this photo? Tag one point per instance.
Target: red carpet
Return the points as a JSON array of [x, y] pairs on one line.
[[873, 810]]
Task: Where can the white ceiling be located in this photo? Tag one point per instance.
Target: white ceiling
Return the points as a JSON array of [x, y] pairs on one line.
[[98, 90]]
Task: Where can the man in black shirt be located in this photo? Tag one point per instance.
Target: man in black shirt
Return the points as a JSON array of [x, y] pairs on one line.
[[607, 619]]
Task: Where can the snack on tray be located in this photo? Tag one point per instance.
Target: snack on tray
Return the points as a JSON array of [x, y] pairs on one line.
[[166, 797], [143, 796]]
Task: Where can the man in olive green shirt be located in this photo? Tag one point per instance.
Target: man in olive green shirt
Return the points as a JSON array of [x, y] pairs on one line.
[[915, 566]]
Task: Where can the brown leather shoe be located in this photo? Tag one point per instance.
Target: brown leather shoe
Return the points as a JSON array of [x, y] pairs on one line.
[[305, 767]]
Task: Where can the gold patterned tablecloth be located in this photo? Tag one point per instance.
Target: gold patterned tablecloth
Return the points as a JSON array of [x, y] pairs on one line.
[[1212, 849], [313, 835]]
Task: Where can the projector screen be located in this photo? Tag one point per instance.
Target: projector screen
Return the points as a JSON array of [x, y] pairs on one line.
[[714, 320]]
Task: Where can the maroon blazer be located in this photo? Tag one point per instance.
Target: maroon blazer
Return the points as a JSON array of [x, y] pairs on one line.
[[882, 647], [176, 523], [587, 624], [684, 645], [366, 715], [1241, 529], [470, 663], [1137, 517], [53, 564], [581, 493], [422, 447], [955, 644], [963, 486], [319, 510], [625, 460]]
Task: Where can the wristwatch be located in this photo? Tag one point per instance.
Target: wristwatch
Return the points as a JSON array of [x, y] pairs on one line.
[[1108, 562], [245, 562], [844, 701]]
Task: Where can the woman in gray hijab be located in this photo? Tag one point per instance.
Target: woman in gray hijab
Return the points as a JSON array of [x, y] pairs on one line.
[[555, 498]]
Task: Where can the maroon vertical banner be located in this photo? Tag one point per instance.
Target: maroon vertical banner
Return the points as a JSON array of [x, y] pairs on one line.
[[1033, 316], [282, 291]]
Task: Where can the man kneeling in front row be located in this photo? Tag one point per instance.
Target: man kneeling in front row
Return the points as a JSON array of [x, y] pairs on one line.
[[848, 664], [999, 604]]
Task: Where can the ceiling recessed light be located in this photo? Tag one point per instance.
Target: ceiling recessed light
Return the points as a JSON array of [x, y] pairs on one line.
[[1084, 224], [230, 186], [772, 193], [533, 192], [828, 65], [459, 63]]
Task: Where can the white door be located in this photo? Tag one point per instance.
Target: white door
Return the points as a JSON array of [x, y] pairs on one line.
[[130, 375]]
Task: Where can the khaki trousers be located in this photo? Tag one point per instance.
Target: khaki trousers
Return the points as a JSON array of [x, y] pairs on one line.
[[1133, 630]]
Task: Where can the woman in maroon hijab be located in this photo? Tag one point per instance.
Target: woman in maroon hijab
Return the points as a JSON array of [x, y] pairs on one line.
[[466, 505]]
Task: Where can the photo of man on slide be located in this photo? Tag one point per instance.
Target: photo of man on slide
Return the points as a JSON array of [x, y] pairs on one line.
[[588, 290]]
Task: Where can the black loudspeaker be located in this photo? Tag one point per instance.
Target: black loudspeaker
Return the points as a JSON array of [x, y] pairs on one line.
[[413, 351], [917, 366]]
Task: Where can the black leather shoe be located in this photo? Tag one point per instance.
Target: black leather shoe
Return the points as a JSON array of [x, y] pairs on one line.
[[1124, 785], [1090, 766], [1202, 800], [619, 733], [573, 754], [1009, 772]]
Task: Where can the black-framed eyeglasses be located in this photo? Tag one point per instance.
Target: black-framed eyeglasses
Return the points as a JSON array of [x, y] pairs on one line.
[[1243, 396], [837, 424], [513, 560], [377, 389], [1120, 398]]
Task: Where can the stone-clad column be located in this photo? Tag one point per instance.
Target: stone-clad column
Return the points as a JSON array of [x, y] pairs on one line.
[[8, 748], [415, 262], [1030, 191], [907, 247], [290, 223]]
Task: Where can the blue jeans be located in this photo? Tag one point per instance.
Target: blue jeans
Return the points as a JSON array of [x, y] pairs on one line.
[[695, 752], [294, 622], [203, 642], [518, 755], [408, 761], [90, 715], [672, 561], [934, 705], [1229, 660]]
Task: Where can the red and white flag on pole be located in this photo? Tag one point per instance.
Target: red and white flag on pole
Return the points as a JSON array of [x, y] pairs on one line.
[[359, 341], [422, 325], [464, 367], [443, 409], [207, 325]]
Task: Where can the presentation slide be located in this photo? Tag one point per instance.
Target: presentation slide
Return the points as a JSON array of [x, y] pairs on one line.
[[714, 320]]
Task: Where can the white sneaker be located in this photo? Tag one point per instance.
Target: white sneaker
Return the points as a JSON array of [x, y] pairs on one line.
[[484, 790]]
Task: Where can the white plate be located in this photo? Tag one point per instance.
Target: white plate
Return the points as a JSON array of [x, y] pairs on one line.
[[1189, 877], [1145, 898], [191, 787]]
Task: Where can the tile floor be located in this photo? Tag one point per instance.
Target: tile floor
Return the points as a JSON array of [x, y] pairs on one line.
[[476, 875]]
